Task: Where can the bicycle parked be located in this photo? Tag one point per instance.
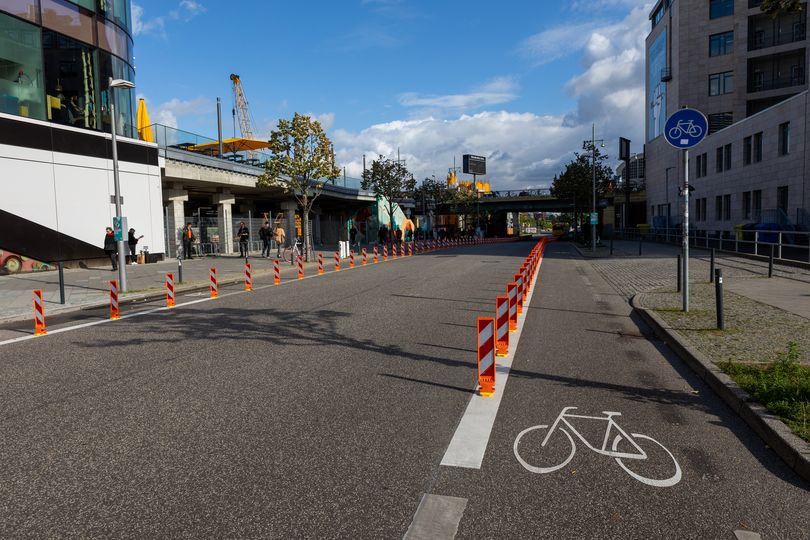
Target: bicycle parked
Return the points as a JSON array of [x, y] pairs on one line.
[[293, 251]]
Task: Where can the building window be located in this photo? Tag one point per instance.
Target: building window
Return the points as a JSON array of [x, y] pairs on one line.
[[112, 66], [747, 151], [784, 139], [21, 84], [24, 9], [720, 8], [699, 166], [782, 199], [721, 83], [720, 44], [703, 208], [727, 153], [746, 205], [718, 208], [70, 75], [727, 207], [756, 203], [68, 19], [719, 121], [757, 147], [718, 160]]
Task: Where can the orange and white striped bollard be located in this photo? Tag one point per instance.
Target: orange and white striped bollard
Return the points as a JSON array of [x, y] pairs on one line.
[[169, 290], [276, 272], [39, 314], [365, 256], [214, 284], [248, 277], [320, 263], [351, 258], [486, 356], [300, 267], [115, 309], [337, 261], [502, 325], [376, 255]]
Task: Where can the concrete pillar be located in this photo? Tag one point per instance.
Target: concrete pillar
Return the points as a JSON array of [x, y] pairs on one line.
[[316, 225], [289, 208], [175, 198], [225, 202]]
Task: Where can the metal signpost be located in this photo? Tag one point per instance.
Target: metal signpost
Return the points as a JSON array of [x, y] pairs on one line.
[[685, 129]]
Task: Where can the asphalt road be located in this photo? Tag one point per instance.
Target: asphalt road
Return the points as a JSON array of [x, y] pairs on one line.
[[323, 408]]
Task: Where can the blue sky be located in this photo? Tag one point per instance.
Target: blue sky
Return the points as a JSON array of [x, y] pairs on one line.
[[517, 81]]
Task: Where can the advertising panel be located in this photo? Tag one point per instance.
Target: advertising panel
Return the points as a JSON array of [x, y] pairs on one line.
[[657, 98]]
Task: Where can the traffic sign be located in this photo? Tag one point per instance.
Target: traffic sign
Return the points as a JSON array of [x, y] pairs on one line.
[[686, 128]]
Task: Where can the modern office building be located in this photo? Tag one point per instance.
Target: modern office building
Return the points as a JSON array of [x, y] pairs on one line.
[[746, 71], [56, 178]]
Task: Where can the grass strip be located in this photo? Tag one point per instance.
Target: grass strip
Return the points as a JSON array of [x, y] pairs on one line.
[[782, 386]]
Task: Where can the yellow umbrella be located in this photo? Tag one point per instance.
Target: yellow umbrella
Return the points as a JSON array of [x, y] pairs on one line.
[[144, 125]]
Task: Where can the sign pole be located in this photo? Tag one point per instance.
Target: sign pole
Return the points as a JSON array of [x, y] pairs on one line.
[[685, 272]]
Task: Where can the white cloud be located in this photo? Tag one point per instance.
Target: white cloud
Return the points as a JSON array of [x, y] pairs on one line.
[[185, 11], [169, 112], [524, 149], [497, 91]]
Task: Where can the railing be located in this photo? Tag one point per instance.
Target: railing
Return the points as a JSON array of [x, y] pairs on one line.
[[169, 138], [787, 245], [543, 192], [762, 84], [762, 41]]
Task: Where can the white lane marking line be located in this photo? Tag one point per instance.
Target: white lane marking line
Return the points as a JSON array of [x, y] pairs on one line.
[[469, 443], [437, 518], [147, 312], [747, 535]]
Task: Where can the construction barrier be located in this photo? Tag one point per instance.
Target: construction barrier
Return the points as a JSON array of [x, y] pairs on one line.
[[213, 285], [410, 249], [169, 290], [115, 309], [502, 325], [276, 272], [337, 261], [519, 292], [376, 255], [300, 267], [248, 277], [320, 263], [39, 314], [486, 356], [365, 257], [351, 259], [385, 252], [395, 250], [511, 293]]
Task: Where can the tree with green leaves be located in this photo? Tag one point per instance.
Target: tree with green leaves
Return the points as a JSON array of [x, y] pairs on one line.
[[774, 8], [576, 181], [391, 180], [301, 161]]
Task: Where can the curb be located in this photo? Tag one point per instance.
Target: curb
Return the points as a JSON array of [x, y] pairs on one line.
[[793, 450]]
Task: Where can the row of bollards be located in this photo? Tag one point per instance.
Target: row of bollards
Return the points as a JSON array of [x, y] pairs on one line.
[[716, 276]]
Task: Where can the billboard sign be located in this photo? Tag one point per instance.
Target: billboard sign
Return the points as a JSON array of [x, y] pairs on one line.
[[473, 164], [657, 98]]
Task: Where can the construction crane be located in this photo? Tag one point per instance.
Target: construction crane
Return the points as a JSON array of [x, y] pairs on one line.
[[241, 109]]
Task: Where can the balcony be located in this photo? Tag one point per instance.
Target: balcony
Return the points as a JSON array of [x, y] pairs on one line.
[[776, 71], [765, 31]]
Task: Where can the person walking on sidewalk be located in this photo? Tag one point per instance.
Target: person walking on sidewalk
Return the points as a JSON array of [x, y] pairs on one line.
[[243, 233], [132, 240], [265, 235], [111, 248], [279, 237], [352, 236], [188, 241]]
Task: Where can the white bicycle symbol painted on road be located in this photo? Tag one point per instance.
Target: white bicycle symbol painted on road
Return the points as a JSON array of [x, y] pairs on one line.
[[630, 452], [685, 127]]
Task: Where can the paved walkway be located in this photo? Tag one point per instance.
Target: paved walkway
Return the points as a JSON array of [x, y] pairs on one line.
[[87, 287], [630, 273]]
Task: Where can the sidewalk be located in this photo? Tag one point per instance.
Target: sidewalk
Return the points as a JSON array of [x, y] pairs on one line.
[[90, 287], [789, 290]]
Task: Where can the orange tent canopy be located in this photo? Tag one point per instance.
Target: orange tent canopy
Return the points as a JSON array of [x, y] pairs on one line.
[[231, 145]]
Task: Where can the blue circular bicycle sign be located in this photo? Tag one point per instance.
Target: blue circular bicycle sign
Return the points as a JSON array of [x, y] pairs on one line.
[[686, 128]]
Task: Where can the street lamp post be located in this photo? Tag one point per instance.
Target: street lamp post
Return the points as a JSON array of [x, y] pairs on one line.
[[122, 258], [592, 146]]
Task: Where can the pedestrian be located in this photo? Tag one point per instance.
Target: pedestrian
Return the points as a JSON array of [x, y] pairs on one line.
[[279, 237], [385, 234], [111, 248], [380, 235], [132, 240], [266, 235], [398, 235], [188, 241], [243, 233], [352, 235]]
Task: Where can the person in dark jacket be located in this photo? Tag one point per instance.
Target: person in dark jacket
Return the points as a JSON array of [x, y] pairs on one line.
[[266, 235], [243, 233], [132, 240], [111, 248]]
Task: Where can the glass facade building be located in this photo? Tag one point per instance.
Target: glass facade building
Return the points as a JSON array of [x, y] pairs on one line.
[[56, 58]]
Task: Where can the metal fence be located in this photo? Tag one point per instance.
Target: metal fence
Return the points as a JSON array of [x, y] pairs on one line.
[[787, 245]]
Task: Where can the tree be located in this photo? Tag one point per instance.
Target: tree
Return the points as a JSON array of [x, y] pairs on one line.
[[389, 179], [576, 181], [301, 161], [774, 8]]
